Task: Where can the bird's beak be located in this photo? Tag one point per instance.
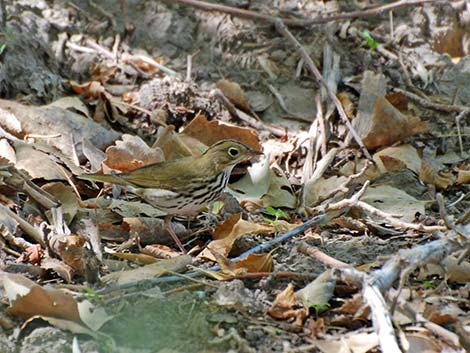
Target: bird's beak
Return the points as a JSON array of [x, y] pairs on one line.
[[253, 153]]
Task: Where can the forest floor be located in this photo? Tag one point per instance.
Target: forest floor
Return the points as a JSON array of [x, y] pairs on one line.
[[349, 234]]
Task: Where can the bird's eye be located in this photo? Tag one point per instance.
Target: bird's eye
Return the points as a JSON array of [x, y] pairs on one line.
[[233, 152]]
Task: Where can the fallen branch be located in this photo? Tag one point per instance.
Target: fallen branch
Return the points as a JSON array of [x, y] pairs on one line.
[[379, 281], [395, 222], [314, 221]]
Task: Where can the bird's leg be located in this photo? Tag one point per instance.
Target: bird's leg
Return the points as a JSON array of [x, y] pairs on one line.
[[173, 234]]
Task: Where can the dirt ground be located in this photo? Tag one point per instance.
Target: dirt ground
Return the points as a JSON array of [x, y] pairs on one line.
[[80, 75]]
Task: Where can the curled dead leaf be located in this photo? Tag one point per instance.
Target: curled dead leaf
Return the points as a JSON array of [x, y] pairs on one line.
[[209, 132], [286, 306], [131, 153], [228, 232], [234, 93]]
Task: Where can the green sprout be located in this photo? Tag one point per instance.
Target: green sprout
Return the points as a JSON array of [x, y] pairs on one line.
[[319, 308], [277, 215], [91, 295], [370, 41], [5, 37], [428, 284]]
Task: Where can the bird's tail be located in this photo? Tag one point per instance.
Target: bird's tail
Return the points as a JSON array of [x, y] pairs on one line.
[[105, 178]]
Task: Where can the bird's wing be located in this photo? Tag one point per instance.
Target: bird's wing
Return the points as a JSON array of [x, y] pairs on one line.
[[169, 175]]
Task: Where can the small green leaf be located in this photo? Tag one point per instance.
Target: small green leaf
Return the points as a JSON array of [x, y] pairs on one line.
[[370, 41], [281, 214], [91, 294], [270, 210]]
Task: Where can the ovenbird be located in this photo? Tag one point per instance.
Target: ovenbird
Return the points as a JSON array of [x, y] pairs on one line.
[[184, 186]]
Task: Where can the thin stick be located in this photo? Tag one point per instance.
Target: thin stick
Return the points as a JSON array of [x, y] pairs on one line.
[[205, 6], [426, 103], [321, 256], [282, 29], [320, 219]]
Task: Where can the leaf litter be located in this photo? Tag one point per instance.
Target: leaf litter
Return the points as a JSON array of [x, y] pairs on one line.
[[338, 228]]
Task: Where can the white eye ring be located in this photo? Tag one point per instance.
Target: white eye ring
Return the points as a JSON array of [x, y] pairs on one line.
[[233, 152]]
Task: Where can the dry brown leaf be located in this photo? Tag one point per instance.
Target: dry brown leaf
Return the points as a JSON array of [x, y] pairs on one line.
[[397, 158], [420, 342], [61, 128], [430, 174], [226, 233], [227, 269], [280, 193], [264, 186], [378, 122], [67, 197], [454, 270], [442, 319], [7, 152], [350, 305], [58, 266], [159, 251], [318, 190], [102, 72], [284, 307], [131, 153], [234, 93], [348, 105], [72, 103], [209, 132], [92, 89], [318, 293], [38, 164], [73, 251], [33, 254], [28, 299], [255, 263], [463, 175], [353, 167], [176, 145]]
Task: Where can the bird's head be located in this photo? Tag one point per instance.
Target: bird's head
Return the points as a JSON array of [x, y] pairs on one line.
[[226, 153]]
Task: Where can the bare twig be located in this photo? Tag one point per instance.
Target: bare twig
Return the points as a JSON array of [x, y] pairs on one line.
[[426, 103], [32, 231], [282, 29], [321, 256], [396, 222], [276, 131], [443, 212], [151, 62], [446, 335], [205, 6]]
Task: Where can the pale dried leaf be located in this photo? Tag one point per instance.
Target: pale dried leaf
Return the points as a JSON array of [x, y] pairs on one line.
[[149, 271], [394, 202]]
